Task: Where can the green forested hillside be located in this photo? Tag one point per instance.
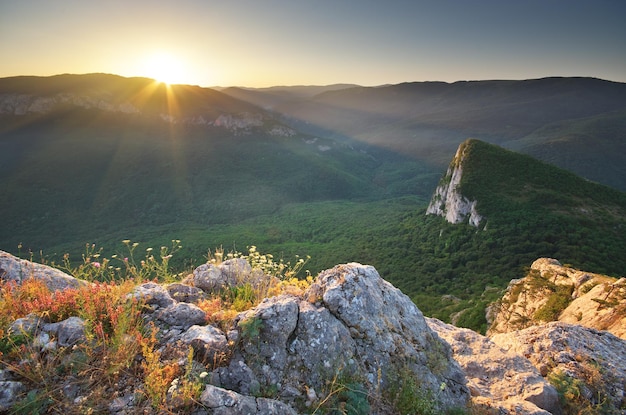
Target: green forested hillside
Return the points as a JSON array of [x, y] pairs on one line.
[[77, 175]]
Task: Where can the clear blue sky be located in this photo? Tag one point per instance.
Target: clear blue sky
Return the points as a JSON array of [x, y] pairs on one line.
[[293, 42]]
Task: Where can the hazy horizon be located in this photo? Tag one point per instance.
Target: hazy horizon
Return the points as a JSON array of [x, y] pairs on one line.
[[258, 44], [347, 84]]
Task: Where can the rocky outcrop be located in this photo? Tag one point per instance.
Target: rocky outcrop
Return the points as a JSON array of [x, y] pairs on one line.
[[447, 201], [588, 366], [353, 341], [553, 292], [350, 327], [19, 270], [498, 379]]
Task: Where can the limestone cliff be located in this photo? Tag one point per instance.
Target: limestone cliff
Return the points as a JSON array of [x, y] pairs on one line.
[[447, 201]]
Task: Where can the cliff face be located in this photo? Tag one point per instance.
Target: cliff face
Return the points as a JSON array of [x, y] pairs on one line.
[[448, 201]]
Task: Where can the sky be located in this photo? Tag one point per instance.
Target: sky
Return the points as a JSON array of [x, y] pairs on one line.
[[261, 43]]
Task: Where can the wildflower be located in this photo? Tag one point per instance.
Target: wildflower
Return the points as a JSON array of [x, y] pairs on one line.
[[148, 249], [203, 375], [96, 264], [126, 241], [125, 259]]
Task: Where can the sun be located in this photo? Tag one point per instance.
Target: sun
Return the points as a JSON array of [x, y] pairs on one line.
[[165, 67]]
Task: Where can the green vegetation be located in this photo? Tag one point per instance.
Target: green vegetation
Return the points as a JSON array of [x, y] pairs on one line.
[[344, 394], [582, 397], [76, 176]]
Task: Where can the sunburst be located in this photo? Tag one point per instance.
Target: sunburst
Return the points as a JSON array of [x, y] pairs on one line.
[[165, 67]]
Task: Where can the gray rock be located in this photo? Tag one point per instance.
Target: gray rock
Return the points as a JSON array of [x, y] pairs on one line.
[[69, 332], [319, 345], [272, 406], [28, 325], [235, 271], [265, 331], [237, 376], [230, 273], [208, 342], [361, 329], [183, 315], [209, 278], [185, 293], [224, 402], [10, 392], [153, 294], [122, 403], [19, 270], [390, 333]]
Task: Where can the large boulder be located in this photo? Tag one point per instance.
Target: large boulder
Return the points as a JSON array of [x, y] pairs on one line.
[[351, 327], [19, 270]]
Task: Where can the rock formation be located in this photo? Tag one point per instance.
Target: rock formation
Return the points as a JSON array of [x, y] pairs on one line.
[[589, 366], [352, 339], [552, 291], [447, 201], [498, 379]]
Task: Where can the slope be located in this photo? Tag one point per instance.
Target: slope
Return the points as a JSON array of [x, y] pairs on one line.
[[530, 209], [428, 120], [88, 157]]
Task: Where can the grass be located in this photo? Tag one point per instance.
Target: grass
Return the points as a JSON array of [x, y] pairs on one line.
[[120, 351]]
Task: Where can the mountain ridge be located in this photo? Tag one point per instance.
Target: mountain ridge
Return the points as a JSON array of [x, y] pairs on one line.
[[428, 120]]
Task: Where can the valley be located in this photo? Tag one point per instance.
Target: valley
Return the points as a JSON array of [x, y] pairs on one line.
[[340, 173]]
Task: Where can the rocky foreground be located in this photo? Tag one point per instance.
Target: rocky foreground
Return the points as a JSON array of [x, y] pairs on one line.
[[351, 331]]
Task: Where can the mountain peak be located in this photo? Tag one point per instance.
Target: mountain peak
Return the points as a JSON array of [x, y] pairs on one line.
[[447, 200]]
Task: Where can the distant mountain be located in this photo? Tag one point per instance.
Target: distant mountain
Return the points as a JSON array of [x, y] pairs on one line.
[[576, 123], [30, 95], [100, 155], [279, 96]]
